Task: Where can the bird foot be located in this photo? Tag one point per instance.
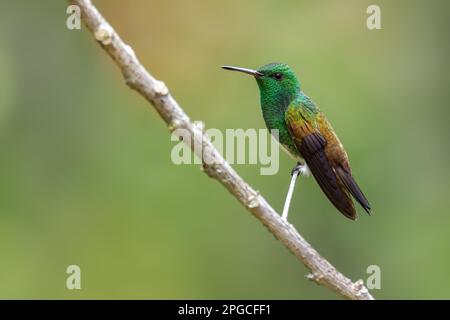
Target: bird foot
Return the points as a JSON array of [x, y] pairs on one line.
[[301, 169]]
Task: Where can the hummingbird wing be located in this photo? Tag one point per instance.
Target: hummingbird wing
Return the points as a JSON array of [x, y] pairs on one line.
[[339, 160], [315, 142]]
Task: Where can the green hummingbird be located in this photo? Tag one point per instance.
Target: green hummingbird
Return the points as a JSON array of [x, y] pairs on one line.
[[306, 135]]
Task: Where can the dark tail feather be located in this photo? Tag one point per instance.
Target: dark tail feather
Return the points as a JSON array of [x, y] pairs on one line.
[[314, 154], [351, 185], [329, 184]]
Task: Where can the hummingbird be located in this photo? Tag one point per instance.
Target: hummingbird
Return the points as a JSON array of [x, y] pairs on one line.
[[306, 135]]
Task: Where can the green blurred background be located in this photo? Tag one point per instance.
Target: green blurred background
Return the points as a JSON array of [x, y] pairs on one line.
[[85, 170]]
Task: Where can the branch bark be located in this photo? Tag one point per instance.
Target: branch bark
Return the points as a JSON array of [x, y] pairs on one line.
[[156, 92]]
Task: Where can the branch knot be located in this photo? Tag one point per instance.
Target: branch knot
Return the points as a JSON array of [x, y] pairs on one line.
[[160, 88], [315, 277], [253, 201], [104, 34]]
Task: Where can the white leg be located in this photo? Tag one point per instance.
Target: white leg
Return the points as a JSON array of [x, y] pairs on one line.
[[298, 170], [287, 203]]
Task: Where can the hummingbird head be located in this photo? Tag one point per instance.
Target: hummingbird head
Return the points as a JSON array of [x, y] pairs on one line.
[[276, 82]]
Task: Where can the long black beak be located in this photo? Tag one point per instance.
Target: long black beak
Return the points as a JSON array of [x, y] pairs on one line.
[[252, 72]]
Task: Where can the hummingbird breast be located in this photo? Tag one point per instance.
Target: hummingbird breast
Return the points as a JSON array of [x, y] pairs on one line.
[[275, 122]]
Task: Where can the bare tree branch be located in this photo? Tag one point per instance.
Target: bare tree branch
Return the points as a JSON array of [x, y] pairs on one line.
[[156, 92]]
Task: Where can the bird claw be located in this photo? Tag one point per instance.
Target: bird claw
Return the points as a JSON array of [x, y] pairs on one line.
[[301, 169]]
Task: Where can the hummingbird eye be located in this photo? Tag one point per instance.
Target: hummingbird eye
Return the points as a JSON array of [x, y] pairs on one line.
[[277, 76]]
